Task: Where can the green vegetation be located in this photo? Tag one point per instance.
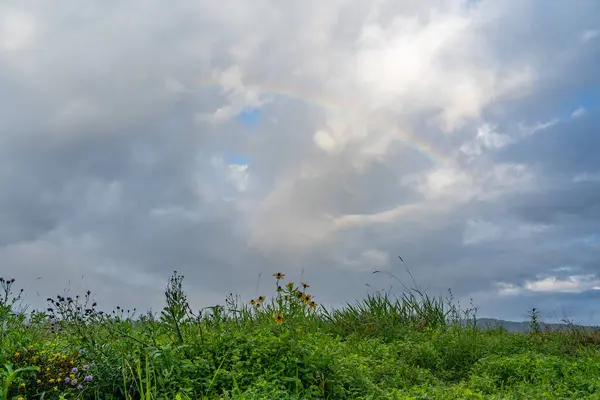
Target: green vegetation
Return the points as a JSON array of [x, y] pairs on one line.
[[385, 347]]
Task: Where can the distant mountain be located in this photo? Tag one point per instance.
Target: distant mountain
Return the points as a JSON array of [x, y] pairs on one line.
[[519, 327]]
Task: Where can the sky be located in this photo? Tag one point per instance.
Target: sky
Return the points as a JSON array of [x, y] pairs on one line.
[[231, 140]]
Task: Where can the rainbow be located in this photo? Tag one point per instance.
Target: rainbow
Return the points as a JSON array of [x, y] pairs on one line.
[[331, 107]]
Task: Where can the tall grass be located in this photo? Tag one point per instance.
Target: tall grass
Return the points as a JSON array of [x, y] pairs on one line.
[[388, 345]]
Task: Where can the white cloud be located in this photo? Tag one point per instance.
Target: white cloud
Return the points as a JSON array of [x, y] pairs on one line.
[[405, 63], [238, 174], [324, 141], [487, 138], [578, 113], [527, 130], [573, 284], [587, 177], [17, 31], [447, 182], [507, 289], [115, 127], [238, 94], [590, 35], [551, 284], [367, 261]]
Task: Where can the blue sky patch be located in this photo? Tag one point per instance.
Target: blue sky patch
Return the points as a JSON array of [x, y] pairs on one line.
[[590, 98], [587, 100], [249, 117], [237, 159]]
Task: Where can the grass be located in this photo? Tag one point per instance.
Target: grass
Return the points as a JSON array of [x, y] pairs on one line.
[[410, 346]]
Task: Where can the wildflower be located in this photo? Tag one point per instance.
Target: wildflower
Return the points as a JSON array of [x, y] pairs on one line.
[[86, 367], [252, 302], [74, 370], [278, 317], [303, 297], [305, 285], [279, 275], [67, 380], [79, 387], [89, 378], [260, 299], [312, 305], [17, 354], [73, 382]]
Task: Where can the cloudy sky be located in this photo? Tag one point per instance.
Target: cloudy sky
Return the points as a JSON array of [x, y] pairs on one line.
[[322, 139]]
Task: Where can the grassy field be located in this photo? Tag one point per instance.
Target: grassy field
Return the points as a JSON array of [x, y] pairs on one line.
[[409, 346]]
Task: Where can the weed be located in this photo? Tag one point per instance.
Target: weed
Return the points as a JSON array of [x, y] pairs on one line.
[[387, 346]]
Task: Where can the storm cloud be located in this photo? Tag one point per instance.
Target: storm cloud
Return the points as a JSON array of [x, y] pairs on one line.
[[321, 139]]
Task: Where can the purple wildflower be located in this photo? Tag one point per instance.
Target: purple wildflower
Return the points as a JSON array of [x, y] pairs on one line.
[[79, 387], [67, 380], [74, 370], [86, 367], [89, 378], [74, 382]]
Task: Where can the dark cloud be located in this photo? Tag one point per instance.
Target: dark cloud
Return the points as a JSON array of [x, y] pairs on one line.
[[117, 123]]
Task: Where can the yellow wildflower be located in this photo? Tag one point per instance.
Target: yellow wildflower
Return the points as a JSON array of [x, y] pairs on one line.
[[278, 317], [279, 275]]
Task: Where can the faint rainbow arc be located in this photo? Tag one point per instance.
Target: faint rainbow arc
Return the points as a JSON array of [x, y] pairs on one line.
[[425, 148]]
